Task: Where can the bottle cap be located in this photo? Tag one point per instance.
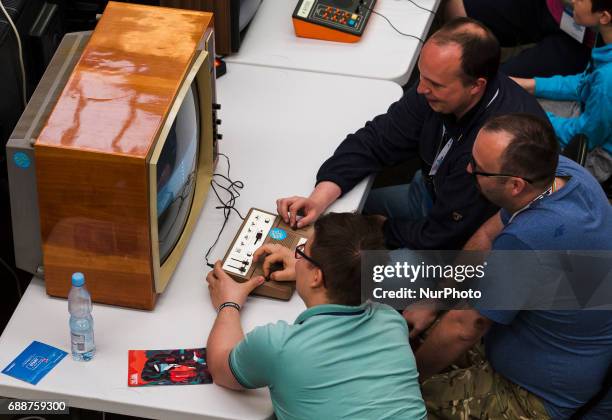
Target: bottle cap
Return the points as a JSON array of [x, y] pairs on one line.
[[78, 279]]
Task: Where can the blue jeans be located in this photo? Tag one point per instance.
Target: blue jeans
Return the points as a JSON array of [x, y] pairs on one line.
[[407, 201]]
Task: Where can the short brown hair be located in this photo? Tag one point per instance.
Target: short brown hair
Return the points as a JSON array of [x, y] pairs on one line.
[[480, 50], [339, 242], [601, 6], [533, 151]]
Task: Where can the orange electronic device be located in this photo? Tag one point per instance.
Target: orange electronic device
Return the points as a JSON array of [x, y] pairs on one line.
[[261, 227], [332, 20]]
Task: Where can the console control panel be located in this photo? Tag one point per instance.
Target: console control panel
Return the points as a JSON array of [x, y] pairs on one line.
[[332, 20], [258, 228]]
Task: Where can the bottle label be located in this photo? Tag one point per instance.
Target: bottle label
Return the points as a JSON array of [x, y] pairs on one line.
[[78, 342], [81, 343]]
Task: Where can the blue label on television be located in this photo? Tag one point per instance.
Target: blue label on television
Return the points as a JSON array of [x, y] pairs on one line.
[[277, 234], [22, 160]]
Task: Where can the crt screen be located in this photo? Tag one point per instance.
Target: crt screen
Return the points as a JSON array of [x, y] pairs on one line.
[[176, 174]]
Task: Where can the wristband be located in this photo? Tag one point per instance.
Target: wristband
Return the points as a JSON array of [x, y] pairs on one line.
[[230, 304]]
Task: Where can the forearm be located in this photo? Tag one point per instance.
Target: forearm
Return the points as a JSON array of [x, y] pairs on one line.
[[478, 242], [325, 193], [387, 139], [442, 347], [455, 333], [563, 88], [482, 239], [453, 9], [527, 84], [594, 122], [226, 333]]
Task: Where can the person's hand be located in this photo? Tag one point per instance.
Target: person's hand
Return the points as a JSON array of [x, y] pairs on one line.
[[527, 84], [223, 288], [276, 254], [289, 207], [324, 194], [419, 319]]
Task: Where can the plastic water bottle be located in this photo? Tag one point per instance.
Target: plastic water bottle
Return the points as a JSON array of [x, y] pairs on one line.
[[81, 322]]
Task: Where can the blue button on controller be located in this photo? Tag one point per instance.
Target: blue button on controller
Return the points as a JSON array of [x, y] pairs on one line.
[[278, 234], [352, 22]]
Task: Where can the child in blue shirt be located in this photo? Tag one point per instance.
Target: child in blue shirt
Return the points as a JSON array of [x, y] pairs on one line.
[[592, 89]]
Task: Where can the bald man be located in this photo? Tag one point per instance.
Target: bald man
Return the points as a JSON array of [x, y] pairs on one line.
[[436, 121]]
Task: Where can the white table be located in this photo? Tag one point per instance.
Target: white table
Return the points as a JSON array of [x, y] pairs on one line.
[[382, 53], [275, 148]]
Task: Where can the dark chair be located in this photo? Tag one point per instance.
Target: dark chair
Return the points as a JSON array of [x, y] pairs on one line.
[[607, 187], [577, 149]]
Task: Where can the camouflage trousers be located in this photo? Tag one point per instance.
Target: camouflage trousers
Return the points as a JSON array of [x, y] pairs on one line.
[[477, 392]]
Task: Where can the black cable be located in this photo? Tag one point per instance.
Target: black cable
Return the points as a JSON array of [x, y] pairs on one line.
[[389, 22], [233, 189], [20, 54], [422, 8], [17, 283]]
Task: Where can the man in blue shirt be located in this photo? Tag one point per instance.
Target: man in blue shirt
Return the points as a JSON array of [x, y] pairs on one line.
[[551, 360], [340, 359]]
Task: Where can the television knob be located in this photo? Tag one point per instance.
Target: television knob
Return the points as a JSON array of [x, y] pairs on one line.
[[219, 136], [218, 121], [216, 106]]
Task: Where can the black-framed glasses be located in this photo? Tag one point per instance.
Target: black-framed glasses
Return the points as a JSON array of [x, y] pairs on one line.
[[473, 166], [299, 253]]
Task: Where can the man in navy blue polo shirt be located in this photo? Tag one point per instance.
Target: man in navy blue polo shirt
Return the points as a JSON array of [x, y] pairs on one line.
[[539, 363], [341, 358], [435, 121]]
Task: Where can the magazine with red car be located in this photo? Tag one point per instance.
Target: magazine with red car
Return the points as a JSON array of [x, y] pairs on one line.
[[168, 367]]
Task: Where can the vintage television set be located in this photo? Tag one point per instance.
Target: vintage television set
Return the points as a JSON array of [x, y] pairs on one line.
[[110, 163]]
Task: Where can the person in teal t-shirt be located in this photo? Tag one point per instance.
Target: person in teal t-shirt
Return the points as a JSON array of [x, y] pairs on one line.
[[341, 358]]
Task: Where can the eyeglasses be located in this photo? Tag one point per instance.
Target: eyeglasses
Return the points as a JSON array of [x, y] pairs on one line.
[[299, 253], [492, 175]]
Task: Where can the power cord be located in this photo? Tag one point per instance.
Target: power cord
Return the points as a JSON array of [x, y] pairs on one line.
[[23, 74], [393, 26], [422, 8], [10, 270], [397, 30], [233, 189]]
